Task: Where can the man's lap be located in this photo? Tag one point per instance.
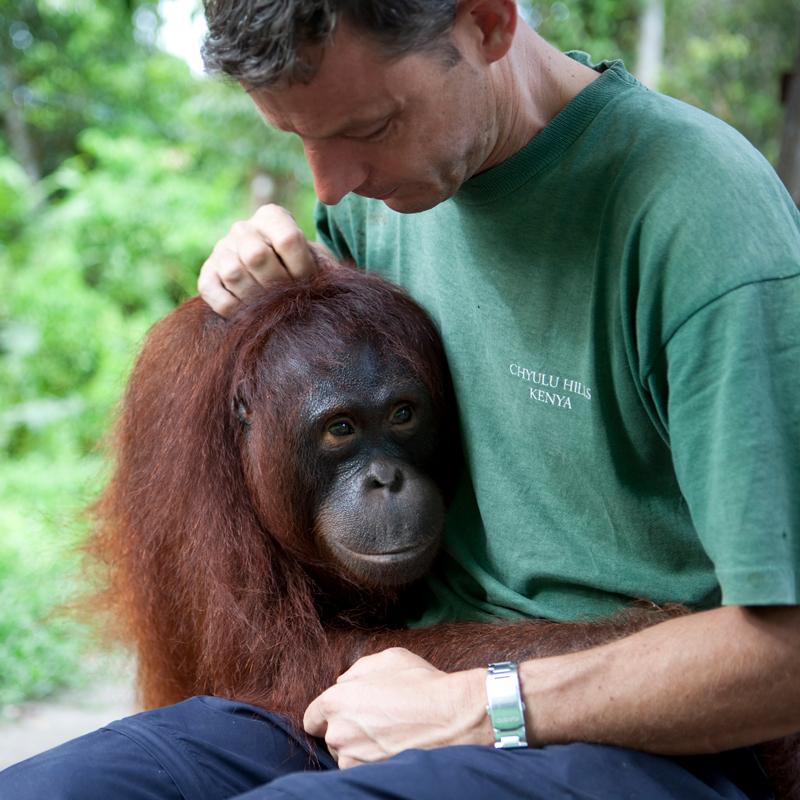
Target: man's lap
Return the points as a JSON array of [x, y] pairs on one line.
[[212, 749]]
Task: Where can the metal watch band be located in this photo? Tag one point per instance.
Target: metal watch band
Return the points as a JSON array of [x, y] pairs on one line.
[[505, 708]]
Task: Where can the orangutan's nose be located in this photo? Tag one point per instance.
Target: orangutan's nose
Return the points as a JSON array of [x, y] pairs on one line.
[[384, 475]]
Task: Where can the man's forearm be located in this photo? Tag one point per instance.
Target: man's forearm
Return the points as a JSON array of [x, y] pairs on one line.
[[660, 680], [701, 683]]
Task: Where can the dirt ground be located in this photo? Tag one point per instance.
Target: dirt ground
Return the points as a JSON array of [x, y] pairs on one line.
[[40, 725]]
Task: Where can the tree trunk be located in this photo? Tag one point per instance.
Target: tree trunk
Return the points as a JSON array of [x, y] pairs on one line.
[[19, 137], [651, 43], [789, 161]]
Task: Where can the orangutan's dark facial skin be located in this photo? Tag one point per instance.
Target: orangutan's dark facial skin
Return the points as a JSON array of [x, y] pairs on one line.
[[381, 514]]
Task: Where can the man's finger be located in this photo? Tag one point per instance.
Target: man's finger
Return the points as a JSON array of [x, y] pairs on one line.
[[210, 288], [345, 762], [235, 277], [314, 721], [259, 258], [391, 659], [279, 228]]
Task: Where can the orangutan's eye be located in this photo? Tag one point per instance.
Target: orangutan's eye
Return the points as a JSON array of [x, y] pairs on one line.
[[402, 415], [341, 428]]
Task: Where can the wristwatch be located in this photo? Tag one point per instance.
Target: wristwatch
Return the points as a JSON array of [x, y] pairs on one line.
[[505, 708]]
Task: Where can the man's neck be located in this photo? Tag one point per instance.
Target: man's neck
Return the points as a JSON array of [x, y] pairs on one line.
[[535, 82]]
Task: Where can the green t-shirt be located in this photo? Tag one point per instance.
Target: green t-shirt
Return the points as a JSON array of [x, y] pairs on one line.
[[620, 305]]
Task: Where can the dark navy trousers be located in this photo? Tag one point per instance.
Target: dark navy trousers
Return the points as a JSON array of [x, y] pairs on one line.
[[209, 749]]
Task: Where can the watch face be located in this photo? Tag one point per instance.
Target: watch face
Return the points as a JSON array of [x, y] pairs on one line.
[[506, 709], [506, 718]]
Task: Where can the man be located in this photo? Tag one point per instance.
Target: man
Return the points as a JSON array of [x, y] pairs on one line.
[[616, 278]]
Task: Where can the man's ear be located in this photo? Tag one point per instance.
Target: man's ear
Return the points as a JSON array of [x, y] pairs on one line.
[[490, 24]]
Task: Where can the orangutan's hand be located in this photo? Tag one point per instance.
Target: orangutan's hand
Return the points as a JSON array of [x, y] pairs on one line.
[[395, 700], [268, 246]]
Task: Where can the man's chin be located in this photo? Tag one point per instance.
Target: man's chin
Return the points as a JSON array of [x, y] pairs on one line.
[[412, 203]]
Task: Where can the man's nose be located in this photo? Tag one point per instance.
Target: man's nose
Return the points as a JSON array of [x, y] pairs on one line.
[[335, 170]]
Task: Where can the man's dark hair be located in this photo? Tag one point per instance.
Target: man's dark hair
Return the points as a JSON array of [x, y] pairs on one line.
[[262, 42]]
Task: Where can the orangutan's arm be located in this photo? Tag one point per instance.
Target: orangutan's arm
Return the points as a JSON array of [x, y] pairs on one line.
[[458, 646]]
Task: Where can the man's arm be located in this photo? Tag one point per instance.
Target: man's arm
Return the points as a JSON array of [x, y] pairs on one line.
[[702, 683], [706, 682]]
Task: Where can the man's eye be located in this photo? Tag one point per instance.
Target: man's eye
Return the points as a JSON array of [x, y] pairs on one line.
[[375, 135], [341, 428], [402, 415]]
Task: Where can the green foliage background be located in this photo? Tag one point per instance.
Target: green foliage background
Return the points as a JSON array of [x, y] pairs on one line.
[[119, 169], [141, 166]]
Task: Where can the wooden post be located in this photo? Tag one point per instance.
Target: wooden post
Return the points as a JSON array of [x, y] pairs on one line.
[[651, 43], [789, 161]]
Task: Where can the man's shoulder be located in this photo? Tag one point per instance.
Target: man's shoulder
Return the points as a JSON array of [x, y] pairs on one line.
[[684, 175], [662, 139]]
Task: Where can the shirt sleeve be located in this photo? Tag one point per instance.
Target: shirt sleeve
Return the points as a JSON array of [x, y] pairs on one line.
[[727, 384]]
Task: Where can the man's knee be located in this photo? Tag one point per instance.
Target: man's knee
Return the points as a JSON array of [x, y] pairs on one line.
[[204, 748], [97, 766]]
